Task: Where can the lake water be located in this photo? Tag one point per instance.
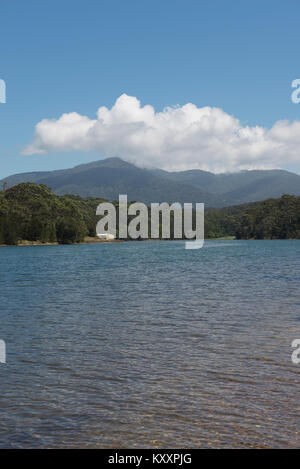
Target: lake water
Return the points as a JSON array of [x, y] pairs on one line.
[[146, 344]]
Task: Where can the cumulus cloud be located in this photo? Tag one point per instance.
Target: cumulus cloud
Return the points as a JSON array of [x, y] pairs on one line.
[[176, 138]]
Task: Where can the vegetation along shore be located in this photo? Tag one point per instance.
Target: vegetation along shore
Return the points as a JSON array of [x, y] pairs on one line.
[[31, 214]]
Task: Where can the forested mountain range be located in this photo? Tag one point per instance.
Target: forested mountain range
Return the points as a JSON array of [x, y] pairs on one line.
[[113, 176]]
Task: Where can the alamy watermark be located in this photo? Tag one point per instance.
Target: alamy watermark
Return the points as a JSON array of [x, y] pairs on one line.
[[296, 353], [2, 101], [2, 91], [159, 221], [2, 352], [295, 97]]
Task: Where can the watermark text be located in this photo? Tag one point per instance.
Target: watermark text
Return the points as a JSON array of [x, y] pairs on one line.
[[296, 93], [159, 221], [2, 91], [2, 351]]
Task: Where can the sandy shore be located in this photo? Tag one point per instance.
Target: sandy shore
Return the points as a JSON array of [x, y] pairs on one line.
[[95, 240], [87, 240]]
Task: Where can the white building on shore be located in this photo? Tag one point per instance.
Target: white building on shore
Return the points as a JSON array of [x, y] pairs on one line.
[[105, 236]]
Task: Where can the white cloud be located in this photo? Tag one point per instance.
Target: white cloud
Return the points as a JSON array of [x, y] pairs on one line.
[[175, 139]]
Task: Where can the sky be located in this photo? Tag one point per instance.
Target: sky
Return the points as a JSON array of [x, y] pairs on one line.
[[175, 84]]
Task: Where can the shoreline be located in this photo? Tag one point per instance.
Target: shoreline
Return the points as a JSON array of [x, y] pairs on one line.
[[90, 240], [95, 240], [87, 240]]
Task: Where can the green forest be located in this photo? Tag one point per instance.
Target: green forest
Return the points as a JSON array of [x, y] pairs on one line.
[[269, 219], [32, 212]]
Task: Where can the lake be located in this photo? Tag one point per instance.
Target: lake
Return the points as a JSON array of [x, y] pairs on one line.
[[149, 345]]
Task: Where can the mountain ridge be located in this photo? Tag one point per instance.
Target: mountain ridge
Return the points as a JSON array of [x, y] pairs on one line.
[[110, 177]]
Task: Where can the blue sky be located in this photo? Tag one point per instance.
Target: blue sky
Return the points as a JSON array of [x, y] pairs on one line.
[[63, 56]]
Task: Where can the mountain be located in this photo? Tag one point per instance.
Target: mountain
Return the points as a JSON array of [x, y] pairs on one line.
[[110, 177], [113, 176], [242, 187]]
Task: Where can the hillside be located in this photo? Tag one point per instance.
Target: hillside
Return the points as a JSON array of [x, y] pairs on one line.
[[113, 176], [32, 212], [242, 187], [269, 219]]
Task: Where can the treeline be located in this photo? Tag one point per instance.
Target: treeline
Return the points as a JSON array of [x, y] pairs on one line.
[[270, 219], [32, 212]]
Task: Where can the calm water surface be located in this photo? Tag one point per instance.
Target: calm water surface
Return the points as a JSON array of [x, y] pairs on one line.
[[150, 345]]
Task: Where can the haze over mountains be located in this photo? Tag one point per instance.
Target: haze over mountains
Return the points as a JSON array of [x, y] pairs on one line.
[[110, 177]]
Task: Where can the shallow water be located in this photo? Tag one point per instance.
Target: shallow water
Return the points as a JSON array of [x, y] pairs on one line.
[[146, 344]]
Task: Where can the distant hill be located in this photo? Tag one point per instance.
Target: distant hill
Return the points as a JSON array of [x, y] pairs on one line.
[[110, 177], [241, 187], [113, 176]]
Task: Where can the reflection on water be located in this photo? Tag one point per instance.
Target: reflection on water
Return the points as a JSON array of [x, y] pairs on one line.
[[150, 345]]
